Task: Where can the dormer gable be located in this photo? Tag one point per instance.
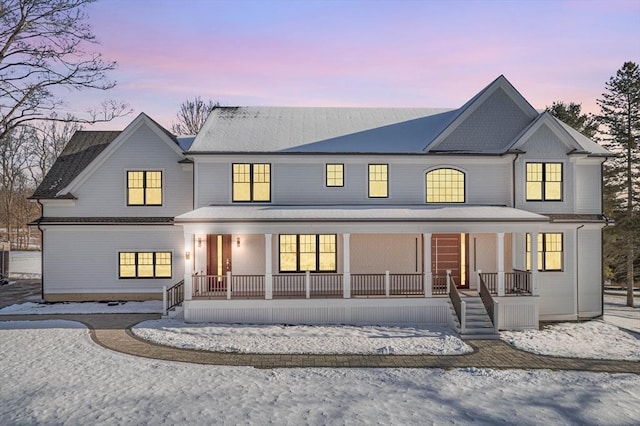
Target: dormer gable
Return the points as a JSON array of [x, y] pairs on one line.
[[141, 120], [545, 125], [488, 123]]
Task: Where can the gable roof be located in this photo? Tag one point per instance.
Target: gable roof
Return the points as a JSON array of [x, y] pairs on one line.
[[83, 147], [311, 129], [488, 122]]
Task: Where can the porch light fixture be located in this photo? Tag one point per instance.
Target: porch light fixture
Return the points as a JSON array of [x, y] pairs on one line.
[[187, 255], [199, 241], [238, 242]]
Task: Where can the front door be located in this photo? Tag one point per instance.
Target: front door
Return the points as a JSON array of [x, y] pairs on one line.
[[448, 252], [218, 254]]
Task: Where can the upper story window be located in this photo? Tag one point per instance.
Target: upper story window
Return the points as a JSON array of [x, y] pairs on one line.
[[251, 182], [378, 180], [445, 186], [544, 182], [145, 264], [299, 253], [549, 251], [144, 188], [335, 174]]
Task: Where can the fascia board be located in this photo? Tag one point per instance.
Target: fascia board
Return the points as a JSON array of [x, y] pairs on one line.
[[97, 162], [548, 120]]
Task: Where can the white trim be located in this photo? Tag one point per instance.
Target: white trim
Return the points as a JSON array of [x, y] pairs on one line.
[[499, 83], [546, 119], [140, 120]]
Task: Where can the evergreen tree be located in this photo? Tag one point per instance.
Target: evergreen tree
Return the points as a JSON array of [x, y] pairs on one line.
[[620, 116], [571, 114]]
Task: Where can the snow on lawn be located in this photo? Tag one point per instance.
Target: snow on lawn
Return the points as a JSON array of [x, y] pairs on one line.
[[592, 339], [52, 373], [303, 339], [31, 308]]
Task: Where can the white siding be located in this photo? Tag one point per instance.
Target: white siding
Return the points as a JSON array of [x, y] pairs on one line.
[[544, 146], [104, 193], [588, 188], [557, 289], [84, 259], [396, 253], [300, 180], [590, 272]]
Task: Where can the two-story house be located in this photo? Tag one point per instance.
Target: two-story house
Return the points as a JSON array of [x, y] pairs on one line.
[[335, 215]]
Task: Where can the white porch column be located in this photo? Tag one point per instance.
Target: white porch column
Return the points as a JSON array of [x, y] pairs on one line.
[[346, 267], [189, 256], [428, 273], [268, 273], [500, 261], [534, 263]]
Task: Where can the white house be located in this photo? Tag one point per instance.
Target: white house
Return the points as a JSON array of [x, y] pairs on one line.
[[335, 215]]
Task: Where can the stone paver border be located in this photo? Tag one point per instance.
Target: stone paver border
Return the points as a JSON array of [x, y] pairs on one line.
[[113, 331]]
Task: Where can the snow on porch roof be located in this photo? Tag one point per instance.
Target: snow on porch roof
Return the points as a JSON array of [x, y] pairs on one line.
[[364, 213]]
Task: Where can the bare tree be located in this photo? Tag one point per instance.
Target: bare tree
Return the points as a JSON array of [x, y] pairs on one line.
[[42, 50], [192, 115], [49, 139]]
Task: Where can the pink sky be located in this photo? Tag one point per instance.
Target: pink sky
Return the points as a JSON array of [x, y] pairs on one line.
[[357, 53]]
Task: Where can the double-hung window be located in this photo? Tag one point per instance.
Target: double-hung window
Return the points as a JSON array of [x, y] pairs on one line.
[[144, 264], [251, 182], [299, 253], [445, 186], [144, 188], [544, 182], [335, 175], [550, 250], [378, 180]]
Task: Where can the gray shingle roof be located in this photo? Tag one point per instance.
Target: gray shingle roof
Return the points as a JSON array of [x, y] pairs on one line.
[[81, 150]]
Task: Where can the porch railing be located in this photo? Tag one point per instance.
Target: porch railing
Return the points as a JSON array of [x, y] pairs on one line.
[[407, 285], [517, 282], [489, 304], [316, 285], [172, 296], [367, 285], [459, 306], [440, 284], [289, 286]]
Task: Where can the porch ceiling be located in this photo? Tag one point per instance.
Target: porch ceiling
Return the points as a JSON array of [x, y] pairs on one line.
[[363, 213]]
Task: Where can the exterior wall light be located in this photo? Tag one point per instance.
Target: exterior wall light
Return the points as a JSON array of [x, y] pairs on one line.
[[187, 255], [238, 242], [199, 241]]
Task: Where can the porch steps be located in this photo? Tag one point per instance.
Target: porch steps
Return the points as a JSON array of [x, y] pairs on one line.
[[177, 312], [478, 324]]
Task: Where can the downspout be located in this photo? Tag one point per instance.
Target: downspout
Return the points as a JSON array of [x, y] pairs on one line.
[[602, 270], [513, 180], [577, 305], [41, 250]]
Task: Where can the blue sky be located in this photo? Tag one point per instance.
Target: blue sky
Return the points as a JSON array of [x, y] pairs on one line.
[[357, 53]]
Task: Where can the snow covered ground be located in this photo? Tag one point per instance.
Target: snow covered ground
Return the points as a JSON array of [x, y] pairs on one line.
[[303, 339], [30, 308], [71, 380], [617, 313], [25, 264]]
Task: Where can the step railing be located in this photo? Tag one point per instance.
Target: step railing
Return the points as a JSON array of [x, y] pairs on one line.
[[459, 305], [172, 296], [490, 305]]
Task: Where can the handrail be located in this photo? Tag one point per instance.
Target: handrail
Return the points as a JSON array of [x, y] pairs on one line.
[[173, 296], [489, 304], [456, 301]]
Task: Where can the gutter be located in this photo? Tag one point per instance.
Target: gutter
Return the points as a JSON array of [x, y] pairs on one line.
[[577, 305], [513, 180]]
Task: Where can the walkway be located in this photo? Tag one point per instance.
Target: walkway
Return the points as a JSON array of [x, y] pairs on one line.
[[112, 332]]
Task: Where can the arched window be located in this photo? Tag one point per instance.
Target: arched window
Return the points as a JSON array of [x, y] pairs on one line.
[[445, 186]]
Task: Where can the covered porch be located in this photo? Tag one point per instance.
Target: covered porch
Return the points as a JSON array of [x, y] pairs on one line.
[[378, 263]]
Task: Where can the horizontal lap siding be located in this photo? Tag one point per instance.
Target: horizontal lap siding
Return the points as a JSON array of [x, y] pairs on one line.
[[85, 259], [303, 182], [590, 272], [375, 254], [104, 193], [588, 180]]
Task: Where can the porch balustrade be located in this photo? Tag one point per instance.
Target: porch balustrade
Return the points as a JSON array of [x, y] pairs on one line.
[[315, 285], [515, 283]]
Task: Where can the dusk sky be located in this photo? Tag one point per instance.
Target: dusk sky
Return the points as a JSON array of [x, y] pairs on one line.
[[357, 53]]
